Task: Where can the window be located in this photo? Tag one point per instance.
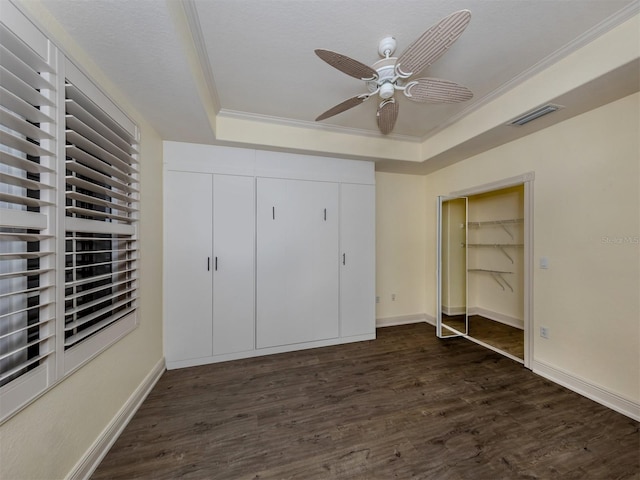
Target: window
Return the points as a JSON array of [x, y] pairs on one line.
[[68, 215], [101, 205]]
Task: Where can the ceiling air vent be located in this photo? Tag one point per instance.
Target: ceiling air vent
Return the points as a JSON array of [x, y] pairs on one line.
[[533, 114]]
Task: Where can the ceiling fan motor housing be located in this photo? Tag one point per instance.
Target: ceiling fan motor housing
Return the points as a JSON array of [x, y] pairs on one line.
[[387, 46], [386, 72]]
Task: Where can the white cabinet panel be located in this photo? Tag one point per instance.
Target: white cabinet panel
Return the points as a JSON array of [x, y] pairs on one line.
[[357, 263], [297, 267], [188, 278], [233, 277], [274, 228]]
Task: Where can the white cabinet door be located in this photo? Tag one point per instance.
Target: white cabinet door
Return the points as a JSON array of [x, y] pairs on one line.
[[357, 262], [233, 277], [188, 286], [297, 267]]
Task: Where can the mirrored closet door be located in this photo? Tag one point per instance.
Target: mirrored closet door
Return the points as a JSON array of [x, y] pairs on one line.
[[480, 265], [452, 291]]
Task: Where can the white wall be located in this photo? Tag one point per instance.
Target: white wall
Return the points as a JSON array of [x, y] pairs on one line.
[[50, 436], [587, 222]]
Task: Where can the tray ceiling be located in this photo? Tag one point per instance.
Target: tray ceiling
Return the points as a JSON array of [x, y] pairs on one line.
[[257, 58]]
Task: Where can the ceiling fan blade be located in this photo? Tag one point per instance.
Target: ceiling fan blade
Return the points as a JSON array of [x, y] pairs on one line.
[[436, 90], [432, 43], [387, 115], [341, 107], [347, 65]]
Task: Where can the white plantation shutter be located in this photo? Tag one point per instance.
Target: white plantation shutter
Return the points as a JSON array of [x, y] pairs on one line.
[[27, 211], [69, 187], [101, 213]]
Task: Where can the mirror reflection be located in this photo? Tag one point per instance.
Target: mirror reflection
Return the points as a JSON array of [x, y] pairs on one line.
[[453, 291]]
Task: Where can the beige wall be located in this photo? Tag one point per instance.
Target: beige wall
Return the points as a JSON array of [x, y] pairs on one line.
[[587, 222], [400, 239], [49, 437]]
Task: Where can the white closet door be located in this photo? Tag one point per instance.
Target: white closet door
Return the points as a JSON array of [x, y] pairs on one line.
[[188, 225], [357, 263], [233, 246], [297, 267], [321, 295]]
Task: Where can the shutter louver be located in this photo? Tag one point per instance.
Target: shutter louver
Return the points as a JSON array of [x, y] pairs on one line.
[[101, 208], [27, 313], [69, 193]]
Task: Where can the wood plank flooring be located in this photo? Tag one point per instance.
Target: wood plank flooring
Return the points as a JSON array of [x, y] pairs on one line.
[[406, 405], [503, 337]]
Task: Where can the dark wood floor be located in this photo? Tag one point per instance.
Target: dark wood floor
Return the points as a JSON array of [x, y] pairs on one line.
[[503, 337], [406, 405]]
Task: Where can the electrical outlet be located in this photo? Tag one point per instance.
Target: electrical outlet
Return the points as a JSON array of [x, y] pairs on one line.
[[544, 332], [377, 299], [393, 297]]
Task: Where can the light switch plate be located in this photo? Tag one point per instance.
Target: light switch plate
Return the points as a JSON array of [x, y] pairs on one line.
[[544, 262]]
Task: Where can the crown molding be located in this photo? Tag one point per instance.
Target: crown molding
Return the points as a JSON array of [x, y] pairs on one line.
[[256, 117], [193, 21], [576, 44]]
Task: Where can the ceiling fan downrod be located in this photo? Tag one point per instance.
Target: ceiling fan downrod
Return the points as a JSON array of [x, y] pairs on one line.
[[387, 47]]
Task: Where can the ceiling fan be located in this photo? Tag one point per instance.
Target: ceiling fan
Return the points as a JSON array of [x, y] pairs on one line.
[[390, 74]]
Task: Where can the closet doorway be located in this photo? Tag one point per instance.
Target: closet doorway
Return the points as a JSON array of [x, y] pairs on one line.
[[484, 266]]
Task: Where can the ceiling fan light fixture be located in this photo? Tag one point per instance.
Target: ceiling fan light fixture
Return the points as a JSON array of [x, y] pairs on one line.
[[386, 90]]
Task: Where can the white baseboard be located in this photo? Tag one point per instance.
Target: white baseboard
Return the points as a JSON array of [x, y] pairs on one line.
[[454, 310], [259, 352], [94, 455], [497, 317], [597, 394], [405, 320]]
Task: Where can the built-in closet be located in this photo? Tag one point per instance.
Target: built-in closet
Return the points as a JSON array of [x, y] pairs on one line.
[[481, 269], [265, 252]]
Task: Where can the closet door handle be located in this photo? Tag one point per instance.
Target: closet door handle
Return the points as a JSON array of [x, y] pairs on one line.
[[344, 258], [208, 264], [215, 266], [325, 214], [273, 212]]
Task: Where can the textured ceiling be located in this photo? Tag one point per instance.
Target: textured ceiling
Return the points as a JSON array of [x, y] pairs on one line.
[[258, 54]]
